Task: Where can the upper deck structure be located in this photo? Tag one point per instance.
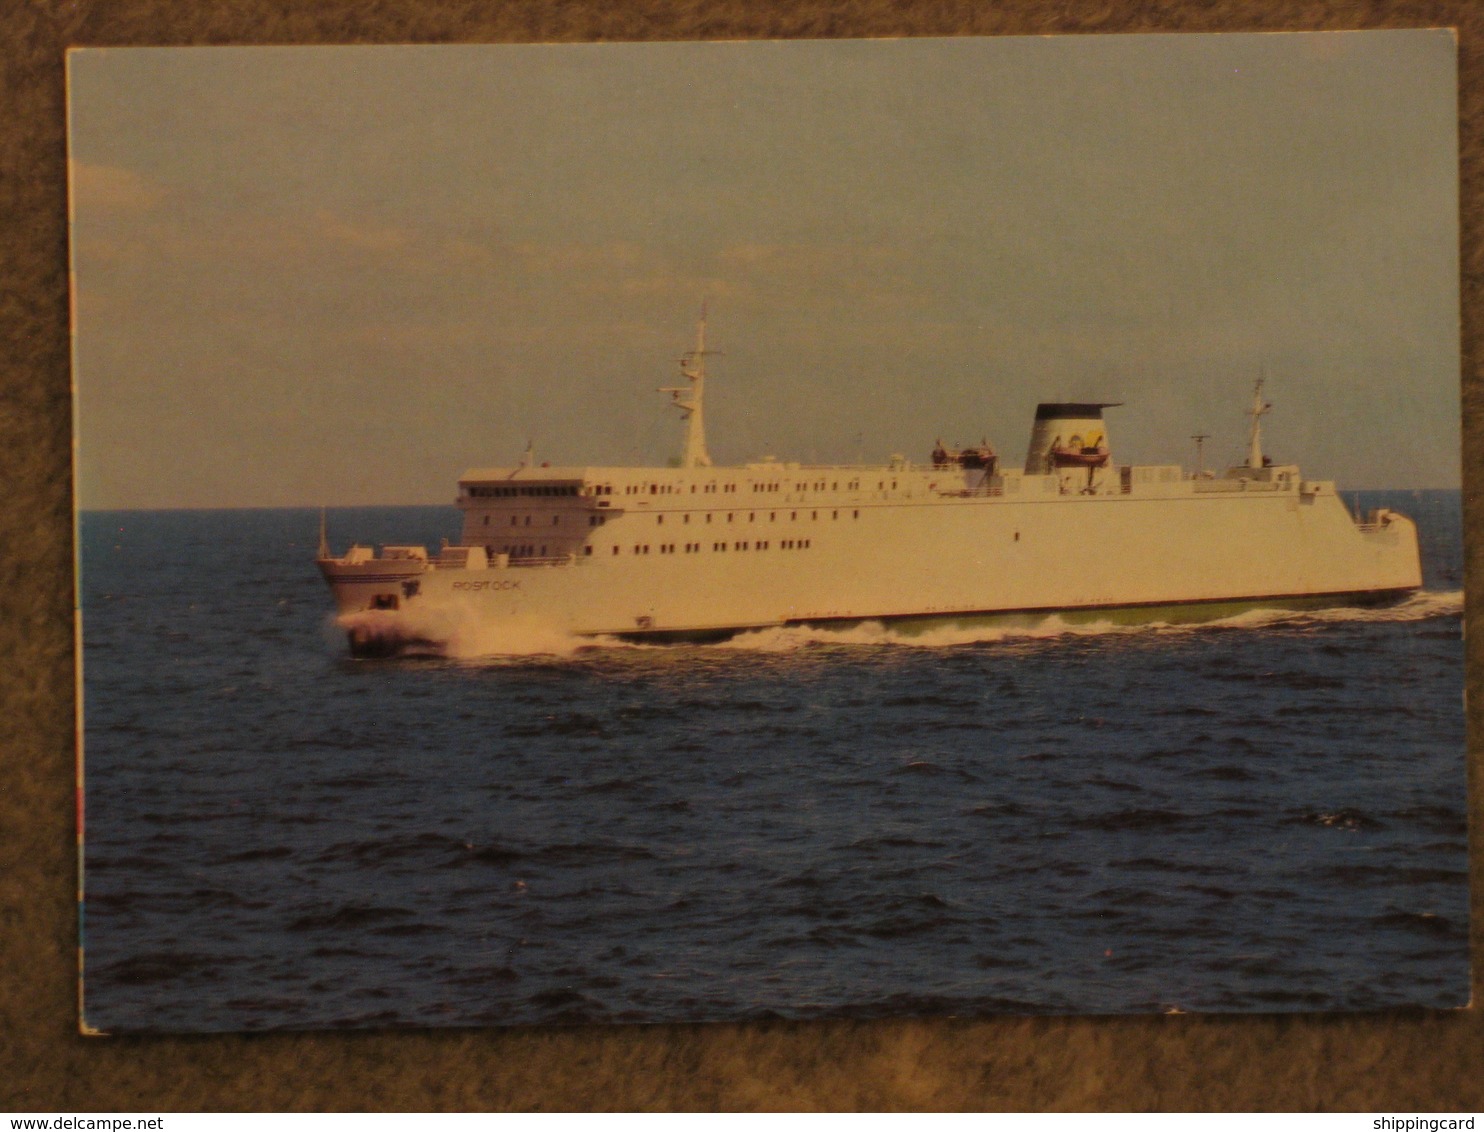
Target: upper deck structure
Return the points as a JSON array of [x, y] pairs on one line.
[[700, 550]]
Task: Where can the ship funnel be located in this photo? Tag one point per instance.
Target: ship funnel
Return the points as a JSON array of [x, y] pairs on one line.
[[1068, 436]]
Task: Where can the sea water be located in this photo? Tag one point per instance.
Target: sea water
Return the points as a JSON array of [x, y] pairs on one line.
[[1265, 813]]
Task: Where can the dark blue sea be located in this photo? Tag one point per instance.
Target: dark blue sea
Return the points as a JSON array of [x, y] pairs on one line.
[[1264, 814]]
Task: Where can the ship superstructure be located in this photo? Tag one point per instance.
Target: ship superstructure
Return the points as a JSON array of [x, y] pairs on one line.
[[700, 551]]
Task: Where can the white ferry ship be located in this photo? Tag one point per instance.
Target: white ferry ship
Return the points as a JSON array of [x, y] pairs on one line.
[[701, 552]]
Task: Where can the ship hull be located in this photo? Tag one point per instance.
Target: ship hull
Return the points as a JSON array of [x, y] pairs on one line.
[[1011, 620], [914, 564], [1158, 613]]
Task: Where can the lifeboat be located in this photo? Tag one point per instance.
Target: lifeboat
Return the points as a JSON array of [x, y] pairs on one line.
[[982, 456]]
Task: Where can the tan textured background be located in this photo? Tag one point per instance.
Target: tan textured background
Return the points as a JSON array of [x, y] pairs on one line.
[[1385, 1062]]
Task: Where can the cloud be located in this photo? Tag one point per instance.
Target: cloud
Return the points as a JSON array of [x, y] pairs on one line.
[[363, 236]]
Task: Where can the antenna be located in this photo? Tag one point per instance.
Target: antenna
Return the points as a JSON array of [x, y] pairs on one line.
[[688, 398], [324, 542]]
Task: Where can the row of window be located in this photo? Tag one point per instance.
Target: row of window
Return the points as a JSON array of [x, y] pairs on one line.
[[599, 520], [515, 521], [752, 516], [716, 547], [732, 488], [485, 491], [530, 550], [674, 488], [488, 491]]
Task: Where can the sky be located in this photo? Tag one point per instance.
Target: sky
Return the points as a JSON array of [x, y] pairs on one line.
[[343, 275]]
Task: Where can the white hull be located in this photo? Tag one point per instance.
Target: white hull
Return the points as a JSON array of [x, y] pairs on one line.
[[937, 558]]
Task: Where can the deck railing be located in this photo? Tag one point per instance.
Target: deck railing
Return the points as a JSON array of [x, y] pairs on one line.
[[1235, 485]]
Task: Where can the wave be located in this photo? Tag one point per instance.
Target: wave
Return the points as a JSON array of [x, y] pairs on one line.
[[1422, 606], [1425, 605]]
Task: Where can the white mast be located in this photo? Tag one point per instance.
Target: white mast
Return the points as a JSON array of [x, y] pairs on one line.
[[1259, 407], [688, 399]]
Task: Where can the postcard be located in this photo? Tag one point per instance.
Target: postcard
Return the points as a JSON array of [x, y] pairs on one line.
[[661, 532]]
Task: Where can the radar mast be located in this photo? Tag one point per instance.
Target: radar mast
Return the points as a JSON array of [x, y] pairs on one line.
[[688, 399], [1259, 407]]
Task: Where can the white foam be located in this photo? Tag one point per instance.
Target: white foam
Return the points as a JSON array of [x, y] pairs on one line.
[[446, 633], [870, 634], [1421, 606], [514, 637], [458, 636]]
